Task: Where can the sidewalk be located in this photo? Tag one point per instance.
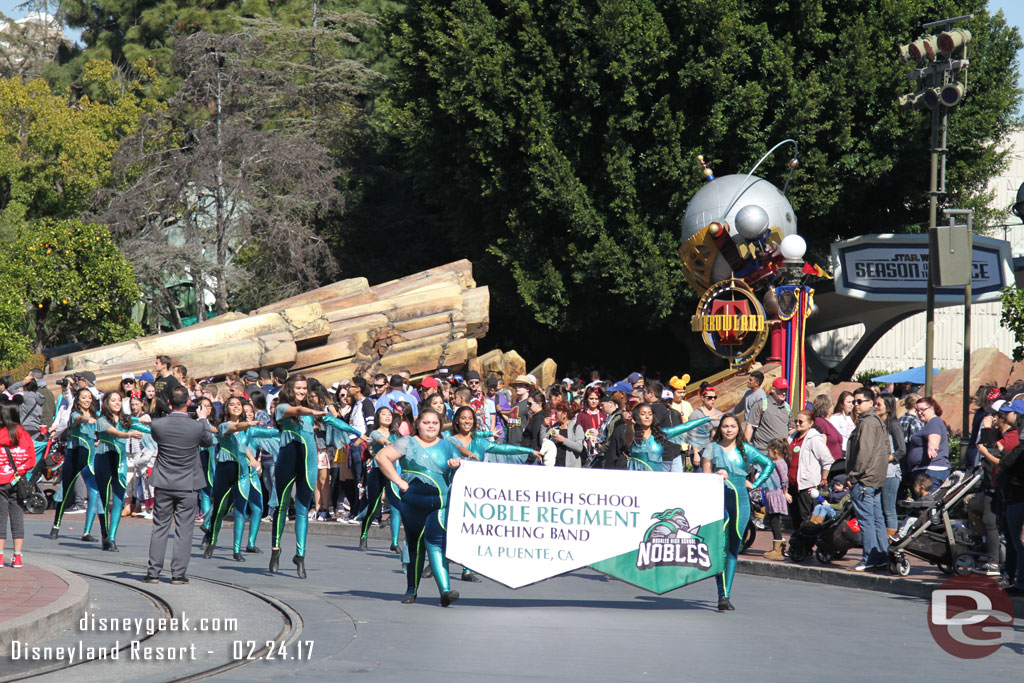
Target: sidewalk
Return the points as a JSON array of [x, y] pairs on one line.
[[38, 601]]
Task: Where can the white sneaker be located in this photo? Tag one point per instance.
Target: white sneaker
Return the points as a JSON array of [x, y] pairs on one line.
[[147, 515]]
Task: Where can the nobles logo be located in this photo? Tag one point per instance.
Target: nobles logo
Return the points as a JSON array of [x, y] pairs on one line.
[[670, 542], [970, 616]]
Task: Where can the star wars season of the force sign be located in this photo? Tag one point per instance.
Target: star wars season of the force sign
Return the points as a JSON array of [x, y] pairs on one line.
[[519, 525]]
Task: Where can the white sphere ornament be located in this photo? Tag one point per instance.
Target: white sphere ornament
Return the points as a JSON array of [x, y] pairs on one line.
[[793, 247], [752, 221]]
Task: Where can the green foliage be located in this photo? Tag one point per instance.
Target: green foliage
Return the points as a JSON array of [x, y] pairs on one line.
[[865, 376], [68, 282], [1012, 318], [558, 140]]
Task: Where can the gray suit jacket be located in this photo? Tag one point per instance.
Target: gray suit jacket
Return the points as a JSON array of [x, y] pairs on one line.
[[178, 439]]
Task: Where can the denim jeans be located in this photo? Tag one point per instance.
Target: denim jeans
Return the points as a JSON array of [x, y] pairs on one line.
[[269, 486], [674, 465], [1014, 523], [889, 495], [867, 504]]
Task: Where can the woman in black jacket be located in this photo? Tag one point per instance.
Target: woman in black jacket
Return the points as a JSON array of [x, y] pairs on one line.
[[535, 431]]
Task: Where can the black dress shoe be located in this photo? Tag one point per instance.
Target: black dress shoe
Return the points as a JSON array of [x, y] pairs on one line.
[[253, 549], [275, 559], [724, 605], [110, 546], [88, 538], [448, 597], [179, 579], [54, 531], [300, 566], [362, 544], [150, 579], [208, 551], [408, 598], [470, 577], [238, 557]]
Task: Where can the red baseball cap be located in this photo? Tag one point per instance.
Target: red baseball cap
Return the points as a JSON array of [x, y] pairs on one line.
[[780, 383], [430, 383]]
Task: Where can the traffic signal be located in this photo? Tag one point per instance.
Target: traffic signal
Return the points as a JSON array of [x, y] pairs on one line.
[[950, 41], [951, 94]]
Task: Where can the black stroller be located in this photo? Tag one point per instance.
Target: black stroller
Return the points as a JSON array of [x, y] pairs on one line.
[[49, 459], [829, 540], [934, 535]]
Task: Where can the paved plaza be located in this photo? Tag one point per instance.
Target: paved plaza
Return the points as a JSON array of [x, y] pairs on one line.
[[346, 620]]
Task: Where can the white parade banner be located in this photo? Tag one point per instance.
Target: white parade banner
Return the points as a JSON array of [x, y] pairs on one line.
[[518, 524]]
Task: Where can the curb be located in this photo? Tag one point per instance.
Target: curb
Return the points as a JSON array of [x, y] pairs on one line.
[[50, 620], [918, 588]]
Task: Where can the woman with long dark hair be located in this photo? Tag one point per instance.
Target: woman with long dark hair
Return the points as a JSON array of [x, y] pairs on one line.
[[15, 444], [384, 433], [236, 481], [420, 493], [729, 456], [842, 417], [646, 440], [78, 462], [885, 408], [113, 429], [297, 465]]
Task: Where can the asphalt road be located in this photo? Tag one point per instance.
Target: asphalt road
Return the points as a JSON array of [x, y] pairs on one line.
[[582, 626]]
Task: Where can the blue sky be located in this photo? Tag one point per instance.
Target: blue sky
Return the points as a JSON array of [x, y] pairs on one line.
[[1012, 9]]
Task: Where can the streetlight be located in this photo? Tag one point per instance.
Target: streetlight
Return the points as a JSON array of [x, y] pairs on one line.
[[939, 90]]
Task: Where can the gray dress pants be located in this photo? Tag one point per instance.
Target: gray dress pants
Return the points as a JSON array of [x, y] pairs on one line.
[[179, 506]]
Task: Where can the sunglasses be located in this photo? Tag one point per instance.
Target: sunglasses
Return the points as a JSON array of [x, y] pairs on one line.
[[711, 398], [858, 401], [379, 386]]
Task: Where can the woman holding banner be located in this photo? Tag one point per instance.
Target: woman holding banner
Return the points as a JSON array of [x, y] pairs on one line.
[[729, 456], [647, 440], [420, 493]]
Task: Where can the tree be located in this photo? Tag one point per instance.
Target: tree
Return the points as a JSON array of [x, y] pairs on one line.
[[1012, 318], [216, 192], [558, 140], [74, 284], [53, 156]]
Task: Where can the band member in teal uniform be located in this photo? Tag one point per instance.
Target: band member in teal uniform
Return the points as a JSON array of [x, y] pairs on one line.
[[236, 464], [385, 433], [731, 457], [476, 446], [296, 467], [420, 493], [648, 439], [79, 454], [113, 428], [208, 459]]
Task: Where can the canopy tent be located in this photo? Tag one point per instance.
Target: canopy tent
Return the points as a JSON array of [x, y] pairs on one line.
[[913, 375]]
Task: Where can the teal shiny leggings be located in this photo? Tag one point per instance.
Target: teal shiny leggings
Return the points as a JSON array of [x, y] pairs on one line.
[[423, 515], [737, 515], [290, 474], [111, 491]]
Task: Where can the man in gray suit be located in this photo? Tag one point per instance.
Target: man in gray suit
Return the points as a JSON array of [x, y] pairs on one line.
[[177, 477]]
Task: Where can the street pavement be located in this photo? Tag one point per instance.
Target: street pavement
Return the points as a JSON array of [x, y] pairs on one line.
[[346, 620]]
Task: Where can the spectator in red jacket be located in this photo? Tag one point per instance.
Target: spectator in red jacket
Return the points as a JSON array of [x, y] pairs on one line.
[[15, 442]]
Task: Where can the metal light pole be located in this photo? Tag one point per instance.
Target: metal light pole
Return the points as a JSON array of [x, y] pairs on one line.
[[937, 80]]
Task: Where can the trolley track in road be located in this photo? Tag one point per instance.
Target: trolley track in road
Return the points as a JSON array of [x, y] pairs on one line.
[[290, 631]]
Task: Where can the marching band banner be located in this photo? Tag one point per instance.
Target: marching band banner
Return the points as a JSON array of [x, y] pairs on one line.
[[518, 525]]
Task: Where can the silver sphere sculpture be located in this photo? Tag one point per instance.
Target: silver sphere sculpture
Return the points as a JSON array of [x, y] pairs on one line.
[[752, 221], [751, 193]]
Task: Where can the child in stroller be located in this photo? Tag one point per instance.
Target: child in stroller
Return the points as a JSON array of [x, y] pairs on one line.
[[831, 530]]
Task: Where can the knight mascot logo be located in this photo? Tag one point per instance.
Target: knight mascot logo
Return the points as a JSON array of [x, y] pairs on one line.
[[670, 542]]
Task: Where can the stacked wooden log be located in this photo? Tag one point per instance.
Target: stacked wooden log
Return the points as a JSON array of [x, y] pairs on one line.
[[416, 323]]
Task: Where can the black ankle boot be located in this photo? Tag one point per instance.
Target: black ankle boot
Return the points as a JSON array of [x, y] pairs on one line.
[[396, 549], [300, 566], [110, 546], [362, 544], [470, 577], [448, 597], [275, 559], [54, 531], [88, 538], [408, 598], [724, 605], [208, 551], [238, 557], [253, 549]]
